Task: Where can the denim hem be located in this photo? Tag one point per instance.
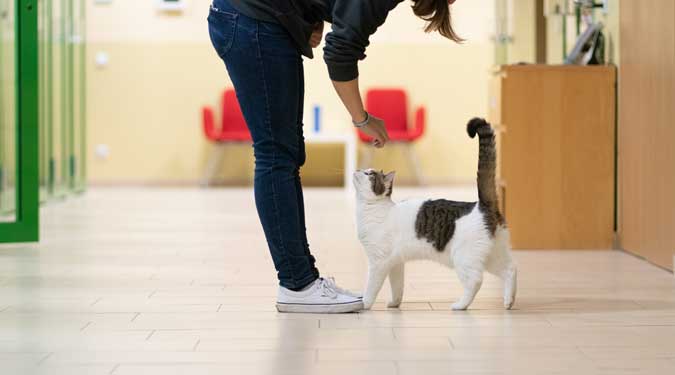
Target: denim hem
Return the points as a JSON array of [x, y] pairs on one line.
[[305, 281]]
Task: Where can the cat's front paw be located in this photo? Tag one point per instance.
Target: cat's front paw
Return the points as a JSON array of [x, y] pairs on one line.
[[394, 304], [459, 306], [368, 303], [508, 303]]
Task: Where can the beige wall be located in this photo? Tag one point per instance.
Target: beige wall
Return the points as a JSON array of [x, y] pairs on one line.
[[145, 104], [523, 48]]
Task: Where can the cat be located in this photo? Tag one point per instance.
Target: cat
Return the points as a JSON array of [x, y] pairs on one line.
[[470, 237]]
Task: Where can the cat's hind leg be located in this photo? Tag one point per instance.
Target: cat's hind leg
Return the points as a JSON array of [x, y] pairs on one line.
[[501, 264], [396, 281], [471, 281], [376, 276], [510, 286], [469, 264], [508, 273]]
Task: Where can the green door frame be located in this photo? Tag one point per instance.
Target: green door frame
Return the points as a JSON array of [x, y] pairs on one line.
[[26, 226]]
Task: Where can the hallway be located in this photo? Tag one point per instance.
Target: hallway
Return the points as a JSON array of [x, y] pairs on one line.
[[120, 284]]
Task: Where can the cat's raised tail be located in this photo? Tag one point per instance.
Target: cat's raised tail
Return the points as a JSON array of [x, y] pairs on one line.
[[487, 163], [499, 262]]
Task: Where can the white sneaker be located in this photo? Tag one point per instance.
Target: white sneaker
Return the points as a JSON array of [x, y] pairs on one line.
[[322, 297]]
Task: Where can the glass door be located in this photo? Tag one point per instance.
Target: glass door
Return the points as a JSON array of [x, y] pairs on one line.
[[58, 148], [19, 154], [77, 58], [46, 103], [503, 30], [7, 112], [63, 97]]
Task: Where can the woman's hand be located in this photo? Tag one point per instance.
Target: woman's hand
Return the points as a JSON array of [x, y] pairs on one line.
[[348, 92], [317, 35], [376, 129]]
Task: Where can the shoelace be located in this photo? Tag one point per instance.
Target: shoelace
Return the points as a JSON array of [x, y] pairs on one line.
[[328, 287], [328, 284]]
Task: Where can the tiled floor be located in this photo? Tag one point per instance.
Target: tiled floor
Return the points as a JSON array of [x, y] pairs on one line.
[[161, 281]]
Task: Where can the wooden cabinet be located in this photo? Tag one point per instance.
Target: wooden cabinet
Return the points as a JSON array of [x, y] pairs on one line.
[[556, 154]]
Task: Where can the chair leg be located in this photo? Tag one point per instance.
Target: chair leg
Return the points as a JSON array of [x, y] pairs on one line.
[[367, 157], [215, 160], [414, 163]]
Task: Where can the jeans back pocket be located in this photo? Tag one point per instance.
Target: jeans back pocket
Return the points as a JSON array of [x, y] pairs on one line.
[[222, 27]]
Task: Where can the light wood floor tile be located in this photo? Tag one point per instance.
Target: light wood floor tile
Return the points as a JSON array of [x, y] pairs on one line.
[[58, 370], [179, 281], [522, 366], [291, 358], [279, 367]]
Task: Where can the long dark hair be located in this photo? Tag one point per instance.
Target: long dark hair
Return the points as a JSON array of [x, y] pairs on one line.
[[437, 13]]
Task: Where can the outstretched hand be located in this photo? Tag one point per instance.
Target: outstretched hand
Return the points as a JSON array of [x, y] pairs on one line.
[[376, 129]]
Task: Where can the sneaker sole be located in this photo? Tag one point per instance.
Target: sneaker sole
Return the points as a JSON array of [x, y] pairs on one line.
[[320, 309]]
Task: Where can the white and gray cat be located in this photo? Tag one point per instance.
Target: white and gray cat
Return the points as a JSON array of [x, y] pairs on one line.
[[471, 237]]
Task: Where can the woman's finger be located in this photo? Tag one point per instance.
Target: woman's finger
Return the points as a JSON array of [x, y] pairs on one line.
[[384, 134], [383, 137], [379, 142]]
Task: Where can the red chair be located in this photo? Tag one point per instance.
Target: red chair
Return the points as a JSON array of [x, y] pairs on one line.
[[232, 129], [232, 126], [391, 105]]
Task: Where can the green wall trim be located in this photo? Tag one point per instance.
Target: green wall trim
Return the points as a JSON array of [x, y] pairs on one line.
[[2, 110]]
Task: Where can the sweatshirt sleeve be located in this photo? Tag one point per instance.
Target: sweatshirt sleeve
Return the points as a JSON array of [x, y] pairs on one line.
[[354, 21]]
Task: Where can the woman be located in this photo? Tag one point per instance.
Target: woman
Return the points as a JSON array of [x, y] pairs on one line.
[[262, 43]]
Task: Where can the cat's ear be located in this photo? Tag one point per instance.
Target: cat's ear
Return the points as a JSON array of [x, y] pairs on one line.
[[389, 177]]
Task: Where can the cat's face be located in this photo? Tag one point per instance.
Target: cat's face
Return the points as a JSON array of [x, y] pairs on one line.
[[371, 184]]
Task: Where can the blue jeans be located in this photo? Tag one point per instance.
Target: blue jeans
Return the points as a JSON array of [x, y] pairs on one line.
[[266, 70]]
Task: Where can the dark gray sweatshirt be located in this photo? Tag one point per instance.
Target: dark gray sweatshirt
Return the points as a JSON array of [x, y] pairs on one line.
[[353, 22]]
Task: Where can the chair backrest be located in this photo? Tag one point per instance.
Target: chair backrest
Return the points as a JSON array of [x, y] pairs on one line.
[[391, 105], [233, 119]]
